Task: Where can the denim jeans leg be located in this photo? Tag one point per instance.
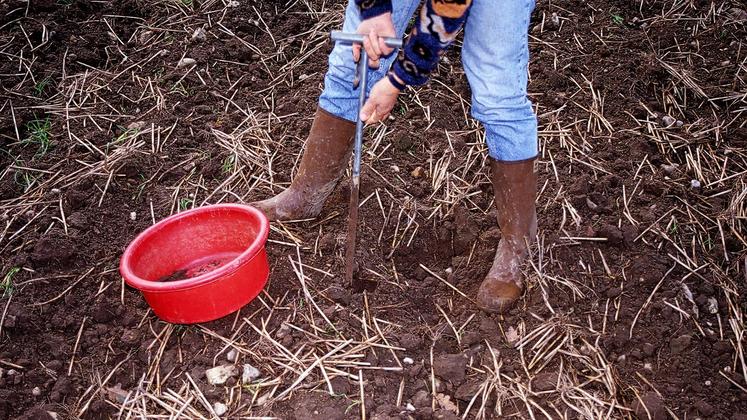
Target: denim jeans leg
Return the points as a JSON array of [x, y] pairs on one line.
[[338, 97], [495, 57]]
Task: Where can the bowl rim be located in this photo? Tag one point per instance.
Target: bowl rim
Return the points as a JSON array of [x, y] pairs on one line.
[[125, 264]]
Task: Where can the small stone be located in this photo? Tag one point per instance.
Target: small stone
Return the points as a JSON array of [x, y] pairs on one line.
[[144, 37], [417, 172], [678, 123], [450, 367], [116, 394], [232, 355], [649, 407], [467, 390], [185, 62], [133, 216], [220, 374], [669, 169], [234, 3], [250, 374], [409, 407], [408, 361], [130, 337], [421, 399], [648, 349], [545, 381], [199, 34], [219, 409], [695, 183], [648, 366], [555, 19], [36, 391], [712, 305], [395, 168], [668, 121], [679, 344], [339, 295]]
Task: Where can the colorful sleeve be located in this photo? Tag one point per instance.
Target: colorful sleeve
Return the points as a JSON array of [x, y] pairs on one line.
[[373, 8], [436, 27]]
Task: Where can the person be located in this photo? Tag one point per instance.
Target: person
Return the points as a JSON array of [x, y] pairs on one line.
[[495, 56]]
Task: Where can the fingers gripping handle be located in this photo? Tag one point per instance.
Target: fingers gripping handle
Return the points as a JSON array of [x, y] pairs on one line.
[[361, 82], [351, 38]]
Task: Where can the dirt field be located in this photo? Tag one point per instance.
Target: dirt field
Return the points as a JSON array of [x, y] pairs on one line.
[[117, 114]]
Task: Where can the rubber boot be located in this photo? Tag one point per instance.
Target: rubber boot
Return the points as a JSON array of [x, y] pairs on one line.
[[326, 155], [515, 189]]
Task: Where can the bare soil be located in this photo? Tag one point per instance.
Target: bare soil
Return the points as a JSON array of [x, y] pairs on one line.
[[635, 294]]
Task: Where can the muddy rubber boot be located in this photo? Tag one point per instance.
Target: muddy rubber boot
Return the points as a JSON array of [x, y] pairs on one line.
[[327, 153], [515, 189]]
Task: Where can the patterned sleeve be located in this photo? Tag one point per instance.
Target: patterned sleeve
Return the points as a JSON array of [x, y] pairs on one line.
[[436, 27], [373, 8]]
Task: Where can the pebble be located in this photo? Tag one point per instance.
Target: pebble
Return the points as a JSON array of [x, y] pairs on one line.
[[199, 34], [712, 305], [555, 19], [545, 382], [409, 407], [250, 374], [695, 183], [186, 61], [421, 399], [408, 361], [36, 391], [668, 121], [679, 344], [450, 367], [648, 349], [232, 355], [417, 172], [670, 169], [220, 374], [133, 216], [219, 409]]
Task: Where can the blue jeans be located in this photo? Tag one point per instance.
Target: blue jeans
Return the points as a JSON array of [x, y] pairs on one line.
[[495, 57]]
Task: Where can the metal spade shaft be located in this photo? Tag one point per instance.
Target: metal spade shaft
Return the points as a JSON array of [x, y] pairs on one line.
[[361, 82]]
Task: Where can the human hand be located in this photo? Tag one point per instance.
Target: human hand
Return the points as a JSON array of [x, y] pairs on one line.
[[380, 103], [374, 30]]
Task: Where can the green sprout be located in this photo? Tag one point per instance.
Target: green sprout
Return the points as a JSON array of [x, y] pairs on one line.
[[229, 163], [7, 284], [184, 203], [180, 89], [618, 20], [41, 86], [39, 135]]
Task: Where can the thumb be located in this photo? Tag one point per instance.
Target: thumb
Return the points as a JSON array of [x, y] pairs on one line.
[[369, 108]]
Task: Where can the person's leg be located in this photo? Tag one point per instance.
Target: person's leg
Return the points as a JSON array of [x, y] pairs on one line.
[[495, 57], [328, 147]]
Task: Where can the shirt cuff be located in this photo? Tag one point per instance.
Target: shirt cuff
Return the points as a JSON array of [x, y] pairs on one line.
[[373, 8], [409, 73]]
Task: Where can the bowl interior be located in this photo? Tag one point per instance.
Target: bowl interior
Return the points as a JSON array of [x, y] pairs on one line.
[[193, 245]]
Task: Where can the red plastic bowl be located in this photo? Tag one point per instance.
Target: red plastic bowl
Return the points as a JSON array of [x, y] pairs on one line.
[[201, 264]]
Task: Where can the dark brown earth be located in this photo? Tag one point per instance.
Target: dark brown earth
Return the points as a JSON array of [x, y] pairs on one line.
[[625, 239]]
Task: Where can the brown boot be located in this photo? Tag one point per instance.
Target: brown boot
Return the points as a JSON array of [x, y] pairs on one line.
[[515, 189], [325, 158]]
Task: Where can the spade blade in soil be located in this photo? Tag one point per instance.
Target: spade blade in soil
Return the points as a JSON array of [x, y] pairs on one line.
[[352, 236]]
